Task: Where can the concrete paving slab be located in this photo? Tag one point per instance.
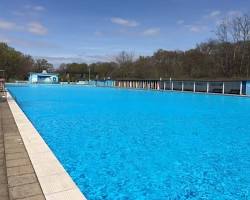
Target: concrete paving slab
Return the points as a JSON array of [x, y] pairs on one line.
[[21, 180], [17, 162], [20, 170], [13, 156], [36, 197], [4, 191], [25, 191]]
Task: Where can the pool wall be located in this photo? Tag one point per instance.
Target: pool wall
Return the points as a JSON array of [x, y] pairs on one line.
[[53, 178]]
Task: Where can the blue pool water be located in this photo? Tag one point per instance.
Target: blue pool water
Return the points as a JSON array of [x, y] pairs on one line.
[[128, 144]]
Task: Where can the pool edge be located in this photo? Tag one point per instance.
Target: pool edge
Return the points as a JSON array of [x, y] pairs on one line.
[[55, 182]]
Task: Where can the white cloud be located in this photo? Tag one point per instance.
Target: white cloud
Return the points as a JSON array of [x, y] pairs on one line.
[[27, 43], [196, 28], [215, 13], [32, 27], [124, 22], [57, 60], [38, 8], [35, 8], [37, 28], [180, 22], [151, 31], [212, 15], [7, 25]]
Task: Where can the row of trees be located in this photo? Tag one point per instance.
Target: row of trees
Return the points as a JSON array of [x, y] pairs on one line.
[[226, 56], [17, 65]]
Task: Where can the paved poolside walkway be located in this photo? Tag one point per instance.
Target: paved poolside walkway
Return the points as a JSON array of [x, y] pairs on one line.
[[4, 195], [17, 177]]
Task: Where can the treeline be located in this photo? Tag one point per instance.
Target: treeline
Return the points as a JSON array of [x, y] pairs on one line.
[[17, 65], [227, 56]]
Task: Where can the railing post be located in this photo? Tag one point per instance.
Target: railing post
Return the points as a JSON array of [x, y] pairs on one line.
[[207, 87], [194, 86], [223, 88], [241, 86], [164, 85], [172, 85], [182, 86]]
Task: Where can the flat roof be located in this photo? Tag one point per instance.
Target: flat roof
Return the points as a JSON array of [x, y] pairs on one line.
[[43, 74]]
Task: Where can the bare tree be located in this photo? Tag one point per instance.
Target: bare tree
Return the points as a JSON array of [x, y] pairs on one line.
[[235, 29], [222, 31], [124, 58], [244, 23]]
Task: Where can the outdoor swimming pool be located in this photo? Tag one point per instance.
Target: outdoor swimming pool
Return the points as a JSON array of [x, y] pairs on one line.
[[131, 144]]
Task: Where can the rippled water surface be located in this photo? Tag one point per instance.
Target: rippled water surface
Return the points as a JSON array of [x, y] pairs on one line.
[[128, 144]]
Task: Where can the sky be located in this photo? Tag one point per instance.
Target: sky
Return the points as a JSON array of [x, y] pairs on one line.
[[64, 31]]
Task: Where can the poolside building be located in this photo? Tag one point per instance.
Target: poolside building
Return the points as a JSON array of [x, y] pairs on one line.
[[43, 77]]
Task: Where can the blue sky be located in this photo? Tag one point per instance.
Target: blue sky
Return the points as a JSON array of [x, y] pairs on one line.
[[97, 30]]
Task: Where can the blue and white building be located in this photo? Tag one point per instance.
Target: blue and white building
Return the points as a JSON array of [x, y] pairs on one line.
[[43, 77]]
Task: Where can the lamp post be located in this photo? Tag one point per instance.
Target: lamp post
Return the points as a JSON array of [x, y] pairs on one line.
[[89, 73]]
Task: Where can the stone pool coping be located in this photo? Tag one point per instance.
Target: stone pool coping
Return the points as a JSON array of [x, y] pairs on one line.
[[55, 182]]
